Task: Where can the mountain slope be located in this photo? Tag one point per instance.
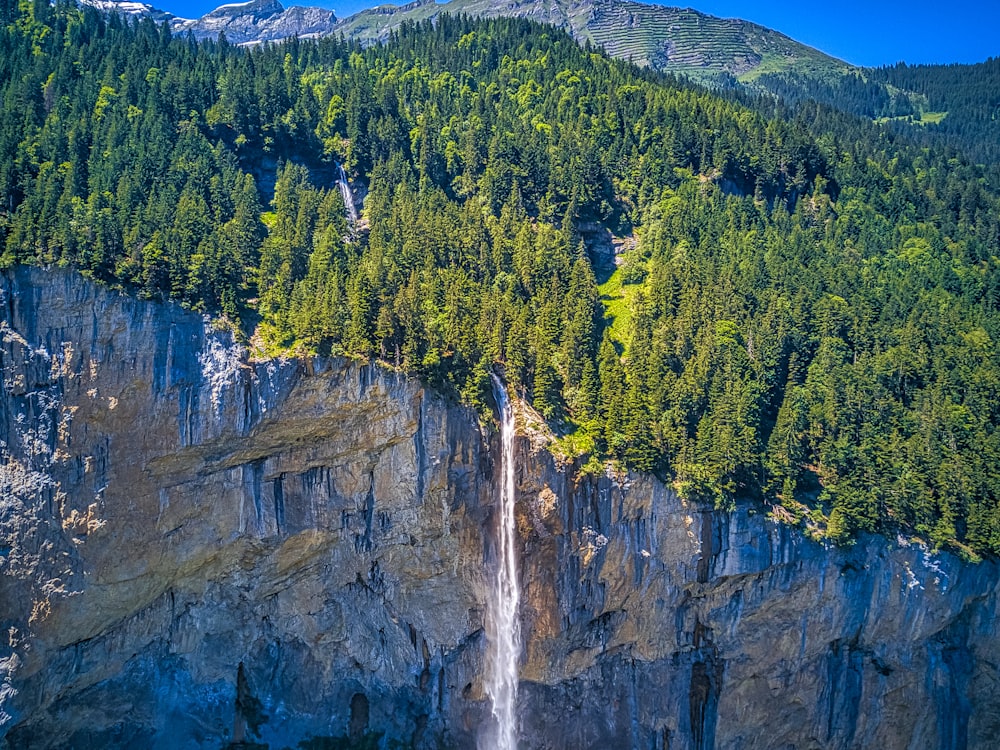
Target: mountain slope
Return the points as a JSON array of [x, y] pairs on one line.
[[714, 51], [678, 40], [243, 23], [260, 21], [966, 99], [667, 39], [130, 9]]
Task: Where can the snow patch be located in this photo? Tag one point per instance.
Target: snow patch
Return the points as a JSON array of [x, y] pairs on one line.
[[934, 566], [130, 8], [230, 6], [8, 667], [17, 481], [271, 370]]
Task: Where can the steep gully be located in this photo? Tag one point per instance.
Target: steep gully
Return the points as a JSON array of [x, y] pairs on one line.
[[196, 548]]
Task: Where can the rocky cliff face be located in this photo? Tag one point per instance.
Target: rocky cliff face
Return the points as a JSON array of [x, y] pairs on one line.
[[196, 550], [251, 22], [258, 21]]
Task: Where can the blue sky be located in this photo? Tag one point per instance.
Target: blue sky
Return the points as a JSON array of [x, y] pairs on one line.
[[879, 32], [863, 32]]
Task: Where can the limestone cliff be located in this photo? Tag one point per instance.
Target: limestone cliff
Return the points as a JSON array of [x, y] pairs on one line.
[[197, 549]]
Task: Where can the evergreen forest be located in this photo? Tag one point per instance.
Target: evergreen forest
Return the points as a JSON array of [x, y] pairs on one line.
[[970, 97], [954, 107], [806, 311]]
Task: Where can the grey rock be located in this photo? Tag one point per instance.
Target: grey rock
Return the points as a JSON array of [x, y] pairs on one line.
[[252, 22], [131, 9], [259, 21], [198, 549]]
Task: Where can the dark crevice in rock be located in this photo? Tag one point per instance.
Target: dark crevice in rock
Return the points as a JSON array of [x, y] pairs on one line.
[[703, 704], [257, 488], [418, 447], [844, 684], [249, 710], [279, 502], [363, 542], [707, 538], [705, 687], [358, 724]]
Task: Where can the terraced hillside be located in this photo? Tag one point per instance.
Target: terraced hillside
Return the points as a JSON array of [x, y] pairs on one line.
[[668, 39], [374, 24], [684, 40], [678, 40]]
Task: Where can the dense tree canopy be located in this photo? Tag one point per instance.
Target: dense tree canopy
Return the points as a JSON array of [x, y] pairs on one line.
[[808, 316], [968, 97], [939, 106]]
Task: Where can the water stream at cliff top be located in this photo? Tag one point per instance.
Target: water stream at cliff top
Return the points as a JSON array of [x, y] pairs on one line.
[[345, 193], [503, 627]]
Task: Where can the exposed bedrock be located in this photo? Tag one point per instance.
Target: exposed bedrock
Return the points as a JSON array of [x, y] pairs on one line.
[[198, 550]]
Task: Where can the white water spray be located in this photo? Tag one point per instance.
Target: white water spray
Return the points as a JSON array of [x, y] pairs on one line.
[[345, 193], [503, 627]]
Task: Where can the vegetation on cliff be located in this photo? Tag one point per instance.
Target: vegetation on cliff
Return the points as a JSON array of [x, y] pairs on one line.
[[810, 315]]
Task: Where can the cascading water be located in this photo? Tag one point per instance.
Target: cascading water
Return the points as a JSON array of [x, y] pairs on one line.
[[503, 628], [345, 192]]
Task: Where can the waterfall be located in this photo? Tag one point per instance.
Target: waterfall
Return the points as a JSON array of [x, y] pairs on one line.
[[503, 628], [345, 192]]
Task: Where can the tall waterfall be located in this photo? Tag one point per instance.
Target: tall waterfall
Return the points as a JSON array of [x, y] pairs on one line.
[[345, 192], [503, 628]]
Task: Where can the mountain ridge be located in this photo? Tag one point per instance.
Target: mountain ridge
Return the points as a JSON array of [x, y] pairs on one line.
[[664, 38], [667, 39]]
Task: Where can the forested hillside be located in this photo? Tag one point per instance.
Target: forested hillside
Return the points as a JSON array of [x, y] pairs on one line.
[[858, 92], [666, 39], [937, 106], [966, 96], [810, 317]]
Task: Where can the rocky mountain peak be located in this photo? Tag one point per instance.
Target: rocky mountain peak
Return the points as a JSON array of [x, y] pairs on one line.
[[260, 21], [129, 8], [256, 8]]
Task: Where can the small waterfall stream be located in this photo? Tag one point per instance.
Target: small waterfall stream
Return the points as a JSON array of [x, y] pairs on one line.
[[345, 192], [503, 625]]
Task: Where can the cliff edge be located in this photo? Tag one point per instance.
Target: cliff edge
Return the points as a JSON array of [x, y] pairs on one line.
[[197, 549]]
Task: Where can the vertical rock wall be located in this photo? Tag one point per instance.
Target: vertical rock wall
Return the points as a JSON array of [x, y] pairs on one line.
[[658, 625], [196, 550], [174, 518]]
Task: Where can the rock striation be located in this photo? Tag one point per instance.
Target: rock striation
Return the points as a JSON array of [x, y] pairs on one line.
[[198, 550], [259, 21], [246, 23]]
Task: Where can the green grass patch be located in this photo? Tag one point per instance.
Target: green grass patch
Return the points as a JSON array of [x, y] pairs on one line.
[[926, 118], [932, 118], [578, 444], [574, 444], [618, 294], [615, 296]]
